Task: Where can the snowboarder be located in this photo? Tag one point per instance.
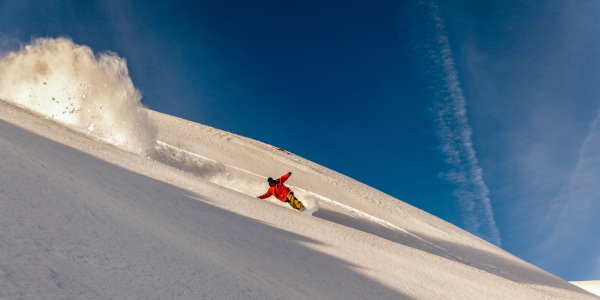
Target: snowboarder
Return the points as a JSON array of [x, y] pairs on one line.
[[282, 192]]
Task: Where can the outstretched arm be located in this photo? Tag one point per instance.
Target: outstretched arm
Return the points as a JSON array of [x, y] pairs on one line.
[[266, 195], [285, 177]]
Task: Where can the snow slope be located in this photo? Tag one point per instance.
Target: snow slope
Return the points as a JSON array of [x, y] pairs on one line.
[[103, 199], [590, 286], [82, 218]]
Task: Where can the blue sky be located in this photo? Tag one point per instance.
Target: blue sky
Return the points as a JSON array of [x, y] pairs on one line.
[[483, 113]]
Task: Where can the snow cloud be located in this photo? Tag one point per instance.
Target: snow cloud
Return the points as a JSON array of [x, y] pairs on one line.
[[70, 84], [455, 133], [6, 43]]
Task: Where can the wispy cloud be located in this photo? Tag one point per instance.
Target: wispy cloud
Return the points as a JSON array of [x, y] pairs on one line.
[[455, 134], [576, 211]]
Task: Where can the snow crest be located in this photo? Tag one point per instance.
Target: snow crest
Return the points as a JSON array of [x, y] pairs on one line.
[[70, 84]]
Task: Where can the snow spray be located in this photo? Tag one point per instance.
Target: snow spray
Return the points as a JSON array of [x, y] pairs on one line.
[[70, 84]]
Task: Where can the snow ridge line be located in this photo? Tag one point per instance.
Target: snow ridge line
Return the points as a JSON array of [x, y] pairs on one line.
[[325, 199]]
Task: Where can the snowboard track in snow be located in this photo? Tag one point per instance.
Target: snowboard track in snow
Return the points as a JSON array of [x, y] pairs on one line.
[[252, 184], [230, 176]]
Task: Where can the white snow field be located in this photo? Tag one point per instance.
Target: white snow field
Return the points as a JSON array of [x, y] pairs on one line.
[[102, 199], [83, 219], [592, 286]]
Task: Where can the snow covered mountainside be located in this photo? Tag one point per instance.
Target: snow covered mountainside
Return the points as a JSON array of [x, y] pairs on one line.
[[591, 286], [82, 218], [103, 199]]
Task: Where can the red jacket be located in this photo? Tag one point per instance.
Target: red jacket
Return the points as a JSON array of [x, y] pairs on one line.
[[278, 190]]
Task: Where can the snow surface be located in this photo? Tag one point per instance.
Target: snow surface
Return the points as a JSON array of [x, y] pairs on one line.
[[590, 286], [85, 215], [84, 219]]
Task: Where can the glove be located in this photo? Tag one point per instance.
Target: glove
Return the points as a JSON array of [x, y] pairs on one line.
[[290, 173], [258, 197]]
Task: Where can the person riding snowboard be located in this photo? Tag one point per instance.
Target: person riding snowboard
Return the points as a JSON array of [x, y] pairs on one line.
[[282, 192]]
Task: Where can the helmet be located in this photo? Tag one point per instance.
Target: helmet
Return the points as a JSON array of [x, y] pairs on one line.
[[270, 180]]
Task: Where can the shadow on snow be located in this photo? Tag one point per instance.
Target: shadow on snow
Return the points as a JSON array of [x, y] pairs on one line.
[[77, 226]]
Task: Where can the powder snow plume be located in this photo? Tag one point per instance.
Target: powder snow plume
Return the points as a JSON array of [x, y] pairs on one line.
[[69, 83]]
